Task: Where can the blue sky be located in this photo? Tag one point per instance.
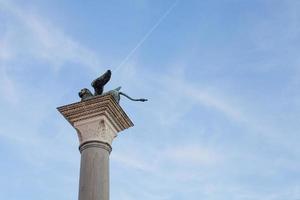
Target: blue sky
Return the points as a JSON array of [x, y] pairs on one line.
[[222, 78]]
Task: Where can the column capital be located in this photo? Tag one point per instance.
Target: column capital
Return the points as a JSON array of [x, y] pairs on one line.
[[98, 119]]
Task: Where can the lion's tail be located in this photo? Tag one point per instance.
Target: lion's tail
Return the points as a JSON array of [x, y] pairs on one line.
[[132, 99]]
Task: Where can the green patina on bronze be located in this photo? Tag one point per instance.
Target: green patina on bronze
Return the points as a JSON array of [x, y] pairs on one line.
[[98, 85]]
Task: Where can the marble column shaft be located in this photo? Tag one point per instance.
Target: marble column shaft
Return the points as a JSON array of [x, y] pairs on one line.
[[97, 122], [94, 171]]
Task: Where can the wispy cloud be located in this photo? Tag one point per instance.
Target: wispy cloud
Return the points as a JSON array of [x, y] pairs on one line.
[[43, 40], [193, 155], [187, 154], [178, 89], [132, 161], [27, 36]]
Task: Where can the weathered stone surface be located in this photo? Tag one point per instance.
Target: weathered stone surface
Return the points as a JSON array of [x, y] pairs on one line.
[[94, 171], [99, 118], [97, 121]]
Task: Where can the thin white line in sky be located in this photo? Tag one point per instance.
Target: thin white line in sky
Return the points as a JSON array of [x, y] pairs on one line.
[[147, 35]]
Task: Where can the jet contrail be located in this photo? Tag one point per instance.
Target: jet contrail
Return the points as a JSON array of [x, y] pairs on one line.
[[147, 35]]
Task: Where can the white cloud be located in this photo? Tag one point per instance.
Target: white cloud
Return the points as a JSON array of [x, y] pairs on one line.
[[131, 161], [178, 88], [180, 156], [193, 155], [27, 36], [31, 35]]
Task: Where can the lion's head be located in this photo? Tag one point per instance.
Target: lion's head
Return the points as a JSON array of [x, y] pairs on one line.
[[85, 94]]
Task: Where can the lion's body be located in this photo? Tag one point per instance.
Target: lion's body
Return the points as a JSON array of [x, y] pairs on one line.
[[98, 85]]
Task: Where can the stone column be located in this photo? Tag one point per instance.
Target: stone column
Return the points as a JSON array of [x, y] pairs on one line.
[[97, 122]]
